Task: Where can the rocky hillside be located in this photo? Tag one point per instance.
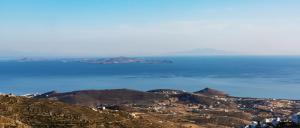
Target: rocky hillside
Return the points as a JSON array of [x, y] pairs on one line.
[[46, 114], [126, 96], [163, 104], [98, 97], [11, 123]]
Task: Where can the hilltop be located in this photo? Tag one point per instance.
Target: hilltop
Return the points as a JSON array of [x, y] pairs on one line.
[[211, 92]]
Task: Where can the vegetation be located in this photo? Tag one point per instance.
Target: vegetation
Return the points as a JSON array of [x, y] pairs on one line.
[[46, 114]]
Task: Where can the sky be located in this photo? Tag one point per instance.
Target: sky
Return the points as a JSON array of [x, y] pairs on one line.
[[148, 27]]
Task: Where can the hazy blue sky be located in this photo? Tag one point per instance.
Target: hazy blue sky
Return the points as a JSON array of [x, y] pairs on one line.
[[148, 27]]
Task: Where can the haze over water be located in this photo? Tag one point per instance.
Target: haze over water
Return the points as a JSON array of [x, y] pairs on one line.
[[247, 76]]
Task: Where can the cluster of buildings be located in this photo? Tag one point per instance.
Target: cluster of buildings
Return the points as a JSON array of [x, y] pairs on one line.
[[292, 122]]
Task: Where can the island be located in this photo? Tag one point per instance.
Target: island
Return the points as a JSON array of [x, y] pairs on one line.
[[125, 60]]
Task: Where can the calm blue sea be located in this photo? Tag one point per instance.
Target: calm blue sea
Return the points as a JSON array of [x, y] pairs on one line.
[[248, 76]]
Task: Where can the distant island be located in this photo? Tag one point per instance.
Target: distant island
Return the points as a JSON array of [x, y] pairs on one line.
[[125, 60], [113, 60]]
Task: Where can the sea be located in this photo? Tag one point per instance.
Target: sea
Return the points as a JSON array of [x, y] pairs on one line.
[[244, 76]]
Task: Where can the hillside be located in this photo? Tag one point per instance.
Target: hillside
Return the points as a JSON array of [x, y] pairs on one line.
[[164, 105], [98, 97], [45, 114], [123, 108], [11, 123]]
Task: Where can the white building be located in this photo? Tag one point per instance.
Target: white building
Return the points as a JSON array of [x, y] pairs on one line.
[[268, 120], [276, 121], [273, 121]]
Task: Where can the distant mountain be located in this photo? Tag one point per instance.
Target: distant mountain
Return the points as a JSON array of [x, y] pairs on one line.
[[203, 52]]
